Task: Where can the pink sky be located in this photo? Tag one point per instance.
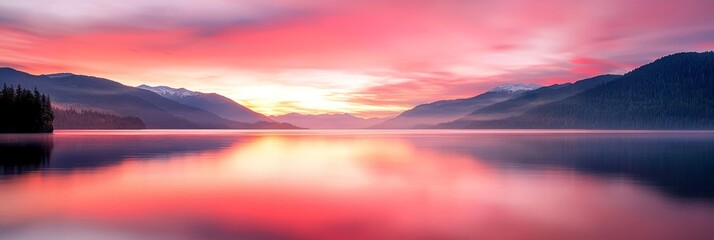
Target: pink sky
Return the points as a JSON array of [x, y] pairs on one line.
[[367, 57]]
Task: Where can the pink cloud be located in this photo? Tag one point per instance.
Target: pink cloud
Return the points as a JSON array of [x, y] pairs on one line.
[[591, 67], [479, 44]]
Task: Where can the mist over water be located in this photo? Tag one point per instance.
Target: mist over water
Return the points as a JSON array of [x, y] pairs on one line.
[[357, 185]]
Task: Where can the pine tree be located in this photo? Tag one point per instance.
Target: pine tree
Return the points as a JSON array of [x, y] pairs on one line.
[[25, 111]]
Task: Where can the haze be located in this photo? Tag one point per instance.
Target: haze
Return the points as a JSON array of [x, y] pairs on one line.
[[371, 58]]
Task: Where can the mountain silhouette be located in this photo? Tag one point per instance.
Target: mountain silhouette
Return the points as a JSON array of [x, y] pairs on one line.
[[673, 92], [532, 99], [68, 90], [328, 121], [448, 110], [217, 104]]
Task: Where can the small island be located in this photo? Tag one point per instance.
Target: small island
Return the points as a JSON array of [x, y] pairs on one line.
[[25, 111]]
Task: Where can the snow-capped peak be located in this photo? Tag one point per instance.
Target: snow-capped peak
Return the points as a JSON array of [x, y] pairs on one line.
[[515, 87], [169, 91], [59, 75]]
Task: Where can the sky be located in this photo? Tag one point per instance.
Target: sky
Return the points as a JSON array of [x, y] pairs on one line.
[[371, 58]]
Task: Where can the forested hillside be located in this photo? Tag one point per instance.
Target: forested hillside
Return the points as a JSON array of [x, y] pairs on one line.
[[674, 92], [535, 98], [88, 119]]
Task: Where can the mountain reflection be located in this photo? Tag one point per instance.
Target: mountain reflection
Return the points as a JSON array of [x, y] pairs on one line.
[[96, 149], [679, 164], [364, 185]]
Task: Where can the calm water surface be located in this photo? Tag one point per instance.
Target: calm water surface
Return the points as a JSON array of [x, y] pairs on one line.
[[357, 185]]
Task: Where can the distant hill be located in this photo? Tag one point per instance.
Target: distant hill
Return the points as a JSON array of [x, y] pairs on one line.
[[328, 121], [673, 92], [212, 102], [449, 110], [532, 99], [88, 119], [85, 92]]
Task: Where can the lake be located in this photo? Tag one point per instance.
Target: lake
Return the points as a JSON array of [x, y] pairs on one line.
[[411, 184]]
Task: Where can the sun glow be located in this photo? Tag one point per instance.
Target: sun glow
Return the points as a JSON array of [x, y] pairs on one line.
[[370, 58], [308, 91]]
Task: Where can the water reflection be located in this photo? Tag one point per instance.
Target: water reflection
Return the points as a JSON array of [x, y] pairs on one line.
[[24, 153], [94, 149], [363, 185], [679, 164]]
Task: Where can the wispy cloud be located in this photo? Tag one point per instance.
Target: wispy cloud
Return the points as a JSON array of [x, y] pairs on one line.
[[400, 52]]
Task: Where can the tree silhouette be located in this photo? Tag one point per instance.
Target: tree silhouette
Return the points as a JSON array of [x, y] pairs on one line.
[[25, 111], [89, 119]]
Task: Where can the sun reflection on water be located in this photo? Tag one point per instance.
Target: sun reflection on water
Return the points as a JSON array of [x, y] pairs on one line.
[[317, 186]]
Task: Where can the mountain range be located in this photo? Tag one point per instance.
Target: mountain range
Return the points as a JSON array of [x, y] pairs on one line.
[[673, 92], [222, 106], [98, 94], [327, 121], [531, 99], [449, 110]]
